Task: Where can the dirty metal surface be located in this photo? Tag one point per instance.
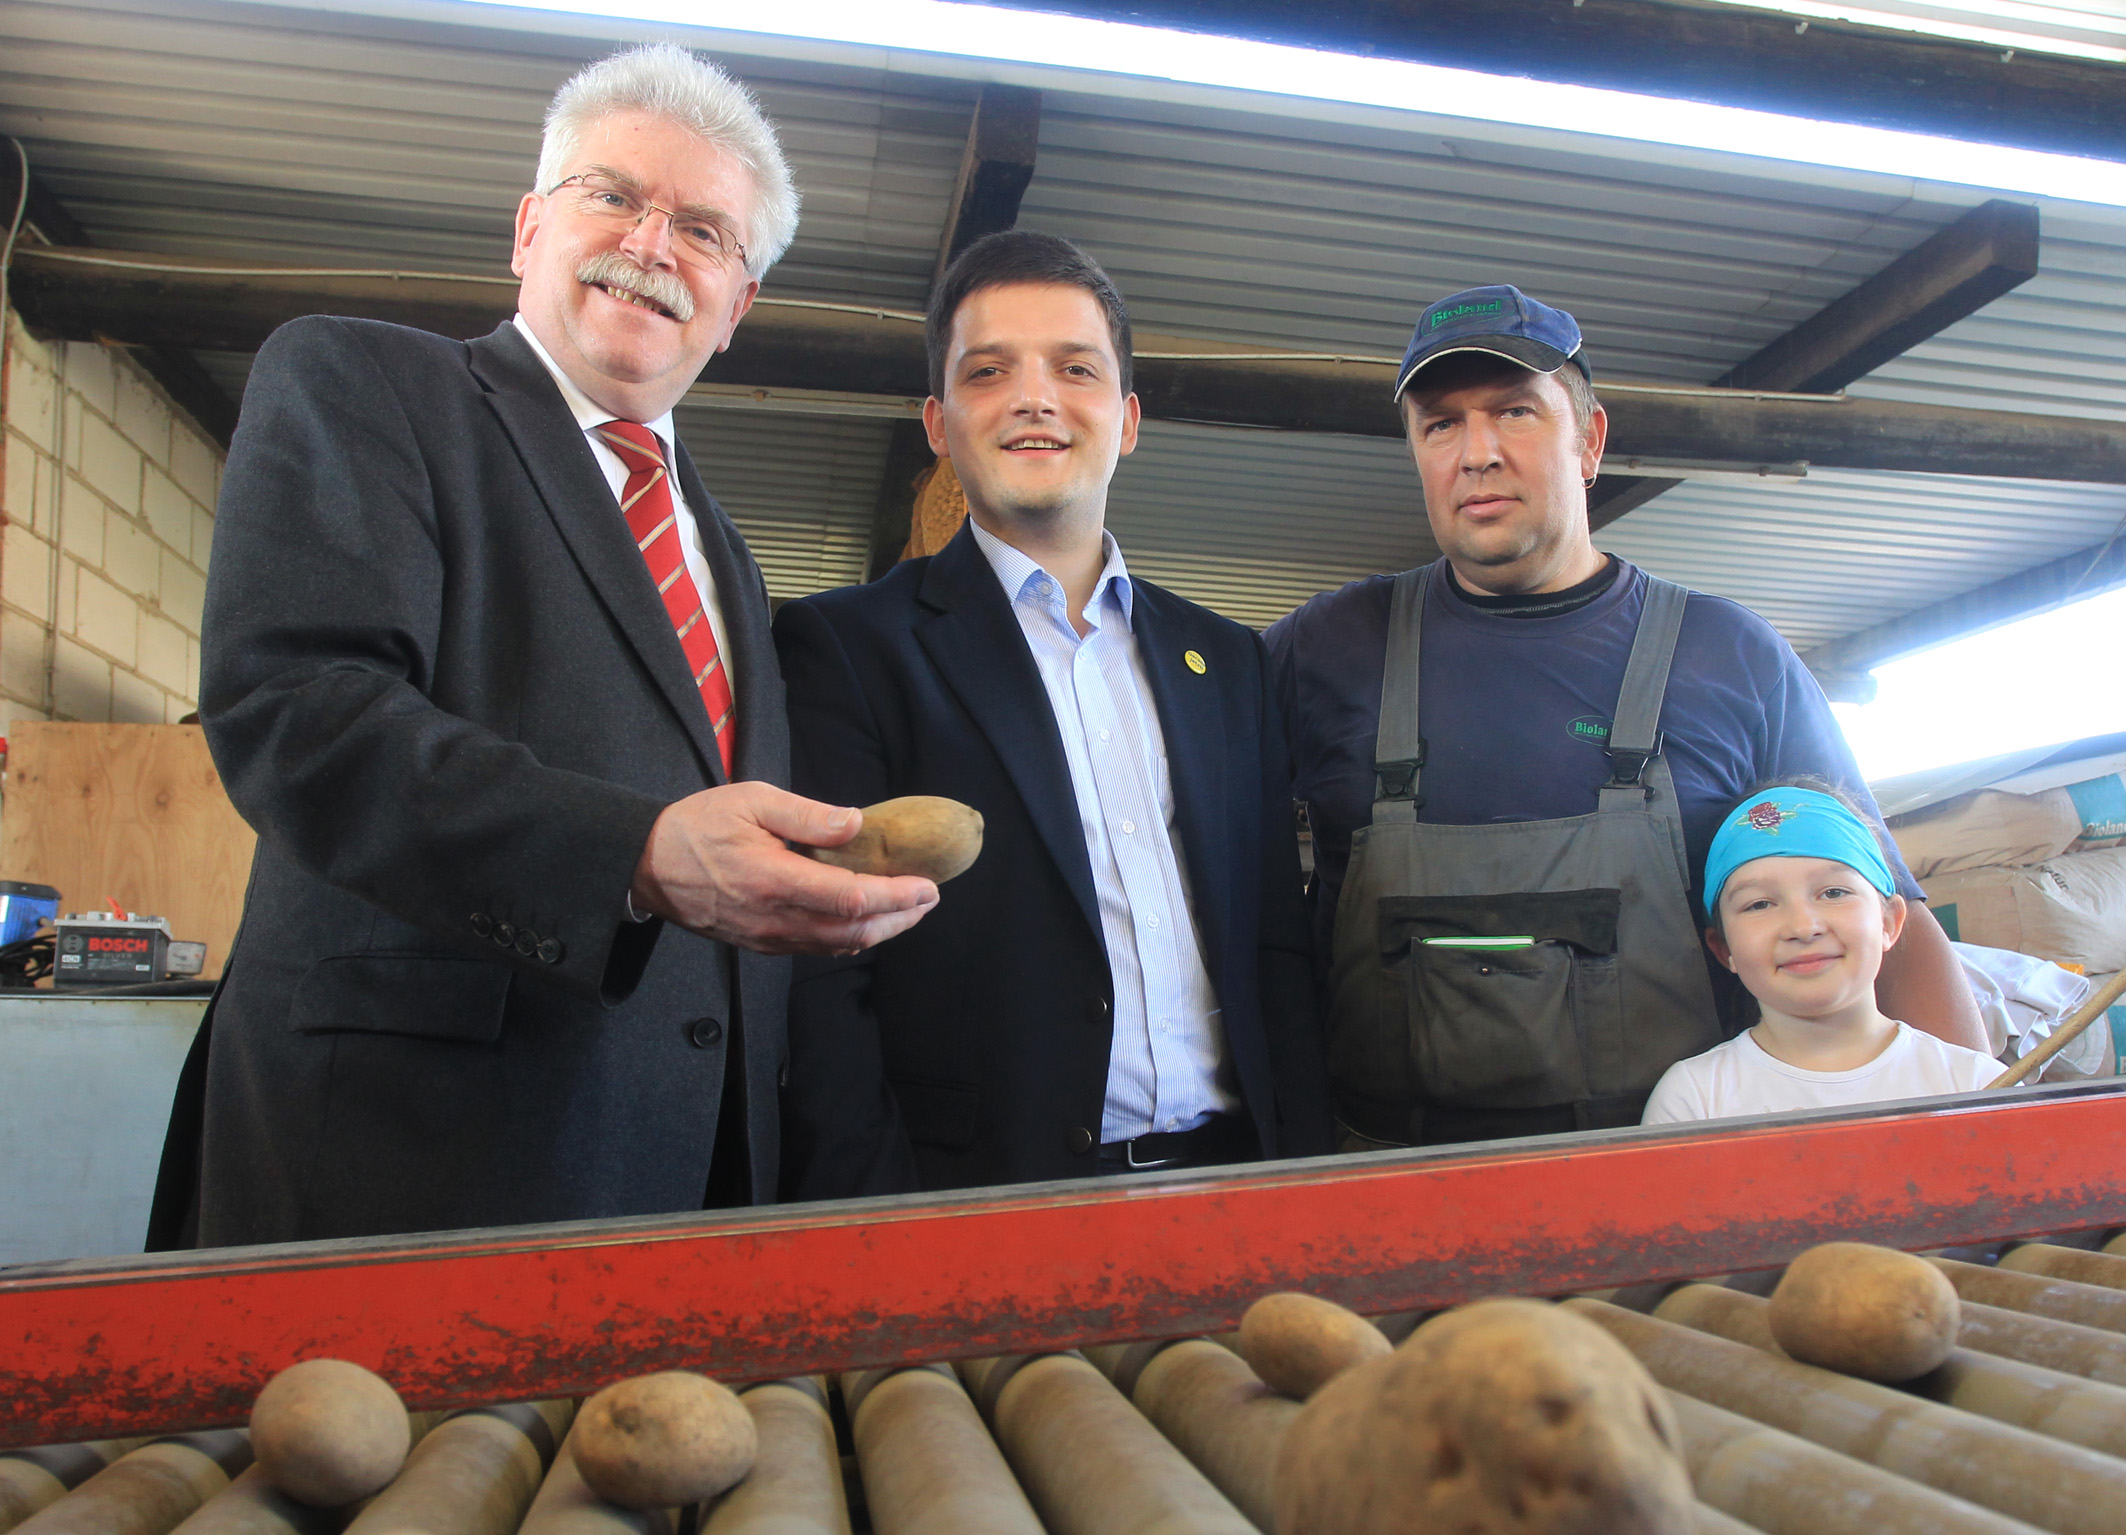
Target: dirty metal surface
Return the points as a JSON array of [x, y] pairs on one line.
[[91, 1350]]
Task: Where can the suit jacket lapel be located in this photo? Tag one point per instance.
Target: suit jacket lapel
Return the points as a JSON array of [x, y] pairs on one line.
[[974, 640], [763, 747], [1191, 711], [579, 500]]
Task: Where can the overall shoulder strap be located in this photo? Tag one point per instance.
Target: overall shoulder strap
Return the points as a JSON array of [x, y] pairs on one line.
[[1635, 733], [1398, 750]]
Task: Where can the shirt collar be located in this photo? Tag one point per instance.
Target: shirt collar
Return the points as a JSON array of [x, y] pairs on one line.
[[580, 405], [1021, 575]]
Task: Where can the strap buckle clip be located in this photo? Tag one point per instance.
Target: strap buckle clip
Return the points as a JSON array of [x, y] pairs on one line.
[[1627, 768], [1398, 779]]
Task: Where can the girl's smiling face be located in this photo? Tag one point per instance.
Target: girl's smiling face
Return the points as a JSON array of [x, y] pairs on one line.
[[1806, 935]]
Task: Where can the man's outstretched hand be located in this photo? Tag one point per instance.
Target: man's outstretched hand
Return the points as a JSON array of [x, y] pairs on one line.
[[716, 865]]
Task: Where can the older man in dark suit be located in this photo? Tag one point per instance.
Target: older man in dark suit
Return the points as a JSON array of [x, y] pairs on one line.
[[490, 672], [1122, 980]]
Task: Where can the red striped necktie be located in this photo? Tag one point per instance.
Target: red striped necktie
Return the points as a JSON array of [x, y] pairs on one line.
[[646, 500]]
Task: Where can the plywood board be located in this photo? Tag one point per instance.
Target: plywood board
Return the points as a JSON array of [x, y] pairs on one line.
[[128, 813]]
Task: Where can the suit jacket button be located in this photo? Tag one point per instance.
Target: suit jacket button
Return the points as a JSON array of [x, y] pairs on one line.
[[1080, 1141], [527, 942], [482, 923], [1102, 1007], [704, 1032], [505, 934], [550, 951]]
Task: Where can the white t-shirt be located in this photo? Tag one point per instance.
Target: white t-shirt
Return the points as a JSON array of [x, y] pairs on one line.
[[1741, 1078]]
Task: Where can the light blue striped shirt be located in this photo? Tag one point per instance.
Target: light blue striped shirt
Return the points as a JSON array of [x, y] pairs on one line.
[[1167, 1068]]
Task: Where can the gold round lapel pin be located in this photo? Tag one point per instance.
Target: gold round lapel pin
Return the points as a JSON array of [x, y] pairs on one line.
[[1195, 662]]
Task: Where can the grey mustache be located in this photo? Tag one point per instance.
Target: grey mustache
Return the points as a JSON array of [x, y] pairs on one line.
[[610, 269]]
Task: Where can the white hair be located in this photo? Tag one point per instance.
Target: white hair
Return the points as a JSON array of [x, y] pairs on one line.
[[665, 80]]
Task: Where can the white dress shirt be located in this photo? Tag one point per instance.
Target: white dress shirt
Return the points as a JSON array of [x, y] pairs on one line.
[[1167, 1067], [589, 417]]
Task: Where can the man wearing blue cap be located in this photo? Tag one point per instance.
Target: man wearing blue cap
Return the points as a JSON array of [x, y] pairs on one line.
[[1513, 760]]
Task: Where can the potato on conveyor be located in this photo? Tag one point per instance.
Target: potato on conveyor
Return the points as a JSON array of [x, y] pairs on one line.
[[919, 834], [328, 1433], [1868, 1311], [664, 1440], [1502, 1416], [1298, 1343]]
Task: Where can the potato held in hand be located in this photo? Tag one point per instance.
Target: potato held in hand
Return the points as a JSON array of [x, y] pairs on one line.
[[1298, 1343], [919, 834], [662, 1441], [329, 1433], [1867, 1311], [1506, 1417]]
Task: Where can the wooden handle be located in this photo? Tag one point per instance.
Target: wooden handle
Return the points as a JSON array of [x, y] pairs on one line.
[[2089, 1012]]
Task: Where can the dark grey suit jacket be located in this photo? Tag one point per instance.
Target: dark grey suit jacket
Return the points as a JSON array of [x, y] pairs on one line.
[[437, 680]]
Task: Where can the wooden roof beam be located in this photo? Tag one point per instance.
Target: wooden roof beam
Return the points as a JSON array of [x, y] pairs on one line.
[[1950, 275], [190, 387], [856, 349], [995, 170]]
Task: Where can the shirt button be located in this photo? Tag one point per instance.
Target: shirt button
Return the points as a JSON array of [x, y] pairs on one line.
[[1173, 1124], [1045, 589], [1103, 735], [1166, 1026], [1151, 921], [1129, 829]]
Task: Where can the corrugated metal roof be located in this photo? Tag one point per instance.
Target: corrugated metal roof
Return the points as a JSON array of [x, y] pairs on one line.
[[200, 127], [1254, 523], [298, 133], [1811, 555], [801, 489]]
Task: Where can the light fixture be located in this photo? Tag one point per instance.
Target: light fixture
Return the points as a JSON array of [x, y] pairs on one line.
[[1118, 58]]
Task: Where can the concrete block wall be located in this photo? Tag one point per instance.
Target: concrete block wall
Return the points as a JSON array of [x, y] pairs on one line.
[[110, 484]]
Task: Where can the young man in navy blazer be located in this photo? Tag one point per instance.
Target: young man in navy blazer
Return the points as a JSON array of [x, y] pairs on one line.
[[1122, 981]]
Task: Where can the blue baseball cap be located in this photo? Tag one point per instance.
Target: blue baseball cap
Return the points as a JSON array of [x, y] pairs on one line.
[[1501, 320]]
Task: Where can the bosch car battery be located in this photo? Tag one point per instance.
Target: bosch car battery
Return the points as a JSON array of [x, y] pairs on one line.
[[103, 948]]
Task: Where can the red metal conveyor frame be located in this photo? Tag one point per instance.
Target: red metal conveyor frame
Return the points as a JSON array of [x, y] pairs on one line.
[[105, 1348]]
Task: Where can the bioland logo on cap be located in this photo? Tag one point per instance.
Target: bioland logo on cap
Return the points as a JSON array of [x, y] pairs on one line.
[[1440, 317]]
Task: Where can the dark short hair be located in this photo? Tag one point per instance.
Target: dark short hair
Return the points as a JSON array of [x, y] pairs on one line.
[[1020, 256]]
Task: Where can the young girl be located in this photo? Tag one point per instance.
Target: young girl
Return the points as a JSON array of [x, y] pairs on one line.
[[1802, 907]]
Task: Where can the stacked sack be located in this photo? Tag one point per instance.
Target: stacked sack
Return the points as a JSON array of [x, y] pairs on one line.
[[2039, 874]]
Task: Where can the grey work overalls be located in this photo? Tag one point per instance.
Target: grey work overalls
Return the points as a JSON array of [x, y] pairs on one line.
[[1431, 1043]]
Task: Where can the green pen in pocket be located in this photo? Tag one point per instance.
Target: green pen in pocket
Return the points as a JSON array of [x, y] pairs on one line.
[[1516, 941]]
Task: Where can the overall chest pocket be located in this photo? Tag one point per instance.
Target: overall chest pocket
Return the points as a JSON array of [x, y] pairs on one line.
[[1506, 1027]]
